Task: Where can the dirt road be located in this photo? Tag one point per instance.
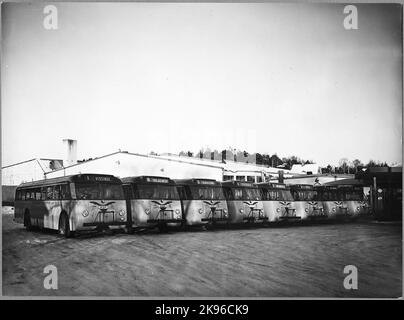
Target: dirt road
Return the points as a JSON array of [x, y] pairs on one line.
[[272, 262]]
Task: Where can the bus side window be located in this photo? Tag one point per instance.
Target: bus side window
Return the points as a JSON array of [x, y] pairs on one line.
[[49, 193], [227, 193], [64, 192], [43, 193], [38, 194], [136, 193], [18, 195], [127, 191], [56, 192], [29, 195], [238, 194], [181, 193]]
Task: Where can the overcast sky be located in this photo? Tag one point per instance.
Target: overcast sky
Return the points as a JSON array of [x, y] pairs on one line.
[[284, 78]]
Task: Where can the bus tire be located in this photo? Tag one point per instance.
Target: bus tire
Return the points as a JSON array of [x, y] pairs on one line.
[[27, 220], [64, 226], [130, 229]]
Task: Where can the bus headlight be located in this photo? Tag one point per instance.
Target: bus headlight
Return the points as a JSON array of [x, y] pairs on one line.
[[225, 211], [85, 213], [200, 210], [241, 211], [358, 209], [177, 211], [147, 211], [307, 209], [333, 209], [121, 213], [278, 210]]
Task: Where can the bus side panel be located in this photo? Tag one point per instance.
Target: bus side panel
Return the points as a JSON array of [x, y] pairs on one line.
[[37, 211], [50, 212], [270, 209], [354, 207], [191, 212], [234, 214], [139, 216], [301, 207], [19, 211]]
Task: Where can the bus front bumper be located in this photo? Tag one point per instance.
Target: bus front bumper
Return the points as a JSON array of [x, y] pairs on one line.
[[104, 224], [165, 220], [255, 219]]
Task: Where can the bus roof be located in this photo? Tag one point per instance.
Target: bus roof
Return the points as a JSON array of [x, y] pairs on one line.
[[88, 177], [243, 184], [349, 186], [268, 185], [198, 182], [147, 179], [302, 186]]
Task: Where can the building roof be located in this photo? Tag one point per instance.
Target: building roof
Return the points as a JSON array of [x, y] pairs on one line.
[[227, 165], [44, 164], [71, 178], [350, 182], [213, 165]]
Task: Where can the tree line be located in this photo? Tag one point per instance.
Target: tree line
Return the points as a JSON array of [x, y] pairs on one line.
[[345, 166], [236, 155]]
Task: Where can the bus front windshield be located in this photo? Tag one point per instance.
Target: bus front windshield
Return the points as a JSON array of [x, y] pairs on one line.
[[98, 191], [251, 194], [207, 193], [246, 194], [354, 195], [305, 195], [156, 192]]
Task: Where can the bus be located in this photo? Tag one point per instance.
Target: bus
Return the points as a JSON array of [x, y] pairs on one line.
[[352, 198], [278, 202], [342, 202], [306, 202], [71, 203], [152, 202], [203, 202], [244, 202]]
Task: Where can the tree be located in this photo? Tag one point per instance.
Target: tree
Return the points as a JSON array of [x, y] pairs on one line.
[[357, 164], [343, 164]]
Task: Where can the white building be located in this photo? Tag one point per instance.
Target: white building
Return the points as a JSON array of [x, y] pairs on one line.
[[234, 170], [30, 170], [311, 168], [123, 164]]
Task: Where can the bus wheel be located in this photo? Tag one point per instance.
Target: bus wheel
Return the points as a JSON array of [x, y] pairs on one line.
[[130, 229], [27, 221], [64, 227]]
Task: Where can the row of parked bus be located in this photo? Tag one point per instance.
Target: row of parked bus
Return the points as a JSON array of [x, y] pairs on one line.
[[93, 201]]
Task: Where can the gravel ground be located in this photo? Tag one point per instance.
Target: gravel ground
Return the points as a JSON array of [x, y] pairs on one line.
[[305, 261]]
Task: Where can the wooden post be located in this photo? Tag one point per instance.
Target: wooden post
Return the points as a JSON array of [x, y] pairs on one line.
[[374, 196]]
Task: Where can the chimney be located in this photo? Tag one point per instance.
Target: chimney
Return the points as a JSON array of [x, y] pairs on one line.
[[280, 176], [71, 152]]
